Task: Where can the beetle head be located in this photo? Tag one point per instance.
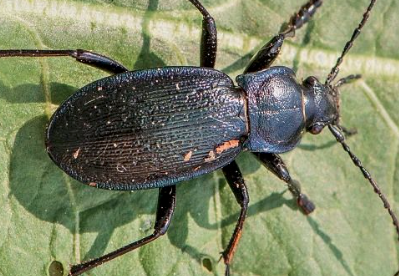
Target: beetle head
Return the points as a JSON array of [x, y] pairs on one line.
[[324, 109]]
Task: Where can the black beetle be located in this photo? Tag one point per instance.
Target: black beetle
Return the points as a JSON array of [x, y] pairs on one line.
[[225, 115]]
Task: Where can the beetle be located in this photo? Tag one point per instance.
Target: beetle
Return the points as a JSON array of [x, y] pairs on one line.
[[230, 116]]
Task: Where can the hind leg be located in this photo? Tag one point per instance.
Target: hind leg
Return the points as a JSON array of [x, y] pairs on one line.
[[93, 59], [165, 210], [237, 185]]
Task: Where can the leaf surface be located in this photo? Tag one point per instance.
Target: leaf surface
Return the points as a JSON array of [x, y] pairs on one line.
[[46, 216]]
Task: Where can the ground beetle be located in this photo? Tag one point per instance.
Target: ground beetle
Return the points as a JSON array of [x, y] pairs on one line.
[[153, 128]]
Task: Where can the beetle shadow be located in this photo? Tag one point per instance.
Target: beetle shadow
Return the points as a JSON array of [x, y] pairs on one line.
[[328, 241], [306, 40], [28, 93], [239, 64], [147, 58], [310, 147]]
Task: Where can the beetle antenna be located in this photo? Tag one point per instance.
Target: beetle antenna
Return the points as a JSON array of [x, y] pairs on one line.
[[334, 71], [346, 80], [335, 130]]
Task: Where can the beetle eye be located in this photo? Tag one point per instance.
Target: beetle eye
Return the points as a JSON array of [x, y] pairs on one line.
[[316, 129], [310, 81]]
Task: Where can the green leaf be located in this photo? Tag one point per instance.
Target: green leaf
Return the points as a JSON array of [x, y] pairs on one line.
[[46, 216]]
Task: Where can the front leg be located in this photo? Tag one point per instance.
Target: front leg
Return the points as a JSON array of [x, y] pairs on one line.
[[266, 56], [275, 164]]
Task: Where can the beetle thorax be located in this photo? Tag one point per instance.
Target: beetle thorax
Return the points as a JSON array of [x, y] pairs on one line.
[[276, 109]]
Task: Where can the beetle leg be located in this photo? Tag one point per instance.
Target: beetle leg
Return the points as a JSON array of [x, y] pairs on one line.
[[165, 210], [209, 37], [237, 185], [275, 164], [269, 52], [93, 59]]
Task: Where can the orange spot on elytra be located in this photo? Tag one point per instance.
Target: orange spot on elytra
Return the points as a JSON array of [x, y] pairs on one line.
[[188, 155], [76, 153], [227, 145], [211, 156]]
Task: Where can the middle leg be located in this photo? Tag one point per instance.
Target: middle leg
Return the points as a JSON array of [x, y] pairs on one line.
[[209, 37]]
